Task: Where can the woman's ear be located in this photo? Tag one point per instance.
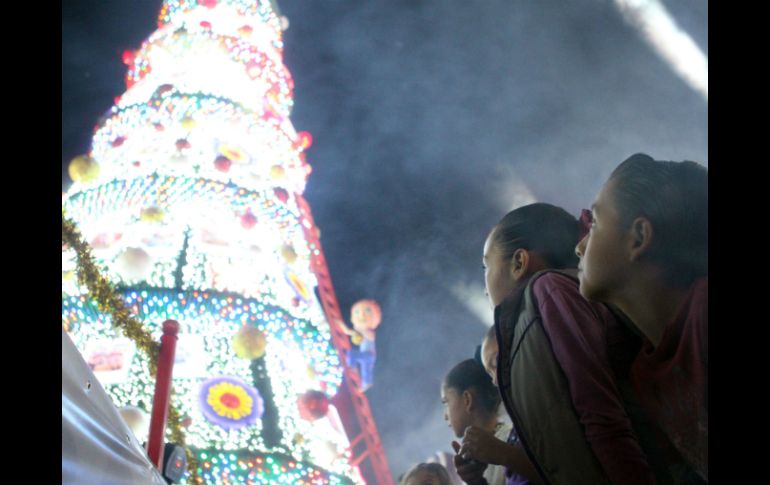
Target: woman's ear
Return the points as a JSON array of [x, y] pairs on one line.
[[519, 263], [467, 400], [641, 236]]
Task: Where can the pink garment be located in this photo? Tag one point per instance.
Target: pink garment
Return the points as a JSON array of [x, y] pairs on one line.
[[580, 332]]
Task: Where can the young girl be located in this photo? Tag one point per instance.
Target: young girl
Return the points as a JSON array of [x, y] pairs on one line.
[[470, 399], [426, 474], [494, 449], [647, 254], [554, 368]]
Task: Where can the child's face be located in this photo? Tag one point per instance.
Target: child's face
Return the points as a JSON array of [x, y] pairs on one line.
[[455, 412], [365, 315], [489, 351], [423, 477], [498, 278], [603, 257]]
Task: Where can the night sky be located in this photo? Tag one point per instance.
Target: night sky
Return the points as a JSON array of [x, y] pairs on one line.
[[431, 119]]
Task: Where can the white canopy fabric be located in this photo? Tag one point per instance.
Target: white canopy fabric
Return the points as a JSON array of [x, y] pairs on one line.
[[98, 448]]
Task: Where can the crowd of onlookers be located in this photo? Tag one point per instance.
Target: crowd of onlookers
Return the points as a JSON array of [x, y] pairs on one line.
[[599, 348]]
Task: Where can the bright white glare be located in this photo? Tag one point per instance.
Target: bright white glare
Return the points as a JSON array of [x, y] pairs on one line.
[[671, 42], [474, 300], [509, 190]]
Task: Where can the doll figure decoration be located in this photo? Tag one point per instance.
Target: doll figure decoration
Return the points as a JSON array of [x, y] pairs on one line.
[[366, 317]]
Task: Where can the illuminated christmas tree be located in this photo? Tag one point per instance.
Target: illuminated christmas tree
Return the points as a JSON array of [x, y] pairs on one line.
[[191, 201]]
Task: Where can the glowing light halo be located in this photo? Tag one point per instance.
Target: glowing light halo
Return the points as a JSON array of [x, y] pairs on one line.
[[227, 15], [233, 54], [272, 142], [261, 282], [196, 207], [169, 191], [239, 467], [215, 309], [672, 43], [200, 433], [112, 211]]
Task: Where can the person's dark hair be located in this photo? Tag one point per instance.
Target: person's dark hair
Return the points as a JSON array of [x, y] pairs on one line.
[[470, 375], [543, 228], [435, 469], [673, 196]]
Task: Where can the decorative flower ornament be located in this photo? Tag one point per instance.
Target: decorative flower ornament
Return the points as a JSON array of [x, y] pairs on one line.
[[230, 403]]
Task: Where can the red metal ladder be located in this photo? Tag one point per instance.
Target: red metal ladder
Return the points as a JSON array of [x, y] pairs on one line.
[[367, 429]]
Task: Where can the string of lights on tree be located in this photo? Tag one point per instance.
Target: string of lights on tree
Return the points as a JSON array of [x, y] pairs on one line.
[[187, 200], [104, 297]]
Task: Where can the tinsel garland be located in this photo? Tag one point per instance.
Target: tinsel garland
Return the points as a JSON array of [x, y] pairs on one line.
[[108, 301]]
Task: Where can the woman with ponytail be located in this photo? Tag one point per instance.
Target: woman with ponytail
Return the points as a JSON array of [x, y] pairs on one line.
[[558, 360]]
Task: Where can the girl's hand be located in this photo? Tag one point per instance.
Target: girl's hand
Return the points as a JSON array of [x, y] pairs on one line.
[[472, 472], [483, 446]]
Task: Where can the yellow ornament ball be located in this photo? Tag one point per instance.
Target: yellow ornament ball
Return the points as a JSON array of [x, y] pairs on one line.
[[277, 172], [310, 372], [249, 343], [288, 253], [83, 169], [188, 123], [152, 214]]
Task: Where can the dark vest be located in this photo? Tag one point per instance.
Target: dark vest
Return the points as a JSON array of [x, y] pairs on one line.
[[536, 394]]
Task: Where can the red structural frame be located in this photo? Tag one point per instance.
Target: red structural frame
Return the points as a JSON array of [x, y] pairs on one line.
[[365, 441]]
